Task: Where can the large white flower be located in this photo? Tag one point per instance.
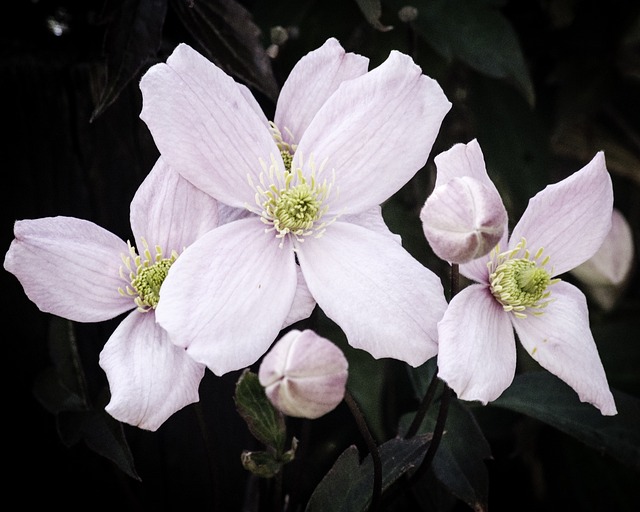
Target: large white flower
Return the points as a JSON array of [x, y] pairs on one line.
[[77, 270], [517, 288], [343, 141]]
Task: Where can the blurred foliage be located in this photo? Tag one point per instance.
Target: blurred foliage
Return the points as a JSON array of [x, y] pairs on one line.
[[542, 84]]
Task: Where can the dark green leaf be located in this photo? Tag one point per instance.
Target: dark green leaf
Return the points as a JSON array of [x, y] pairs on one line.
[[228, 36], [262, 464], [476, 33], [348, 484], [543, 396], [101, 433], [372, 10], [264, 421], [132, 38]]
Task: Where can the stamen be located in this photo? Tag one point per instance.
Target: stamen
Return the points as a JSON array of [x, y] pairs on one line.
[[520, 284]]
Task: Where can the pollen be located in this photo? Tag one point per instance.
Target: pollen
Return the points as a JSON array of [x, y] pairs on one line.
[[145, 273], [520, 282]]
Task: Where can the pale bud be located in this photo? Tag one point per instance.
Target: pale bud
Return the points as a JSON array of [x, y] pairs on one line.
[[463, 219], [606, 273], [304, 374]]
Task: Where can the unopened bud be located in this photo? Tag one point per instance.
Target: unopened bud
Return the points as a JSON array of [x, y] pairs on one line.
[[304, 374], [463, 219]]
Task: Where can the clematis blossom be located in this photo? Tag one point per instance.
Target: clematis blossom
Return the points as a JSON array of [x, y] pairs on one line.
[[516, 288], [343, 140], [87, 274]]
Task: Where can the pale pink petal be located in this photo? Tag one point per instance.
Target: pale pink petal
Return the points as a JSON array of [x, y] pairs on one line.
[[303, 301], [611, 264], [313, 79], [384, 300], [149, 377], [227, 295], [372, 219], [376, 132], [463, 219], [477, 351], [561, 341], [69, 267], [204, 127], [462, 160], [569, 219], [170, 212]]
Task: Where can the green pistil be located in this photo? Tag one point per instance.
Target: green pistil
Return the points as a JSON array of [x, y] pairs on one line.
[[520, 284], [145, 276], [295, 209], [287, 158]]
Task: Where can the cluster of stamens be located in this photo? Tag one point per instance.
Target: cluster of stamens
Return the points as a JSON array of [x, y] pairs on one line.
[[289, 202], [520, 282], [145, 275]]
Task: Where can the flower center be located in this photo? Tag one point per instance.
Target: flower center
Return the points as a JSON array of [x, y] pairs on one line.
[[145, 275], [520, 283]]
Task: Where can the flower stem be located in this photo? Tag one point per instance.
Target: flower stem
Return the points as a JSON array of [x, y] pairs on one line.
[[424, 407], [373, 450]]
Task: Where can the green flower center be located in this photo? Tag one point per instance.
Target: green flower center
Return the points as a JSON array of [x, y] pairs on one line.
[[145, 275], [520, 283], [292, 202]]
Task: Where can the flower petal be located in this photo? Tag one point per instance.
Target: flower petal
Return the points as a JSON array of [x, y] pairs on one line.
[[149, 377], [69, 267], [380, 125], [314, 78], [462, 160], [227, 295], [477, 351], [569, 219], [169, 211], [385, 301], [372, 219], [204, 127], [303, 302], [561, 341]]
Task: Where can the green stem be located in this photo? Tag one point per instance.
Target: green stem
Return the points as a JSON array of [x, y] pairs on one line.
[[208, 448], [373, 450], [424, 407]]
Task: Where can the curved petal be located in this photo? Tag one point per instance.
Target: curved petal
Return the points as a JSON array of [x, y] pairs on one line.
[[561, 341], [372, 219], [204, 127], [69, 267], [313, 79], [227, 296], [569, 219], [462, 160], [303, 302], [149, 377], [385, 301], [477, 353], [170, 212], [382, 124]]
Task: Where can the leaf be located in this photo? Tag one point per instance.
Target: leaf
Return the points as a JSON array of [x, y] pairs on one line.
[[372, 10], [459, 463], [101, 433], [348, 485], [543, 396], [264, 421], [476, 33], [131, 39], [263, 464], [227, 34]]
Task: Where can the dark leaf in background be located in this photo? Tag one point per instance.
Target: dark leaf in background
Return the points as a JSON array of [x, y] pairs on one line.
[[62, 390], [264, 421], [543, 396], [372, 9], [228, 36], [349, 484], [476, 33], [132, 38]]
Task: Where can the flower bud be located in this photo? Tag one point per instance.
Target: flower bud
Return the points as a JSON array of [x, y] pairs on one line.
[[304, 374], [606, 273], [463, 219]]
